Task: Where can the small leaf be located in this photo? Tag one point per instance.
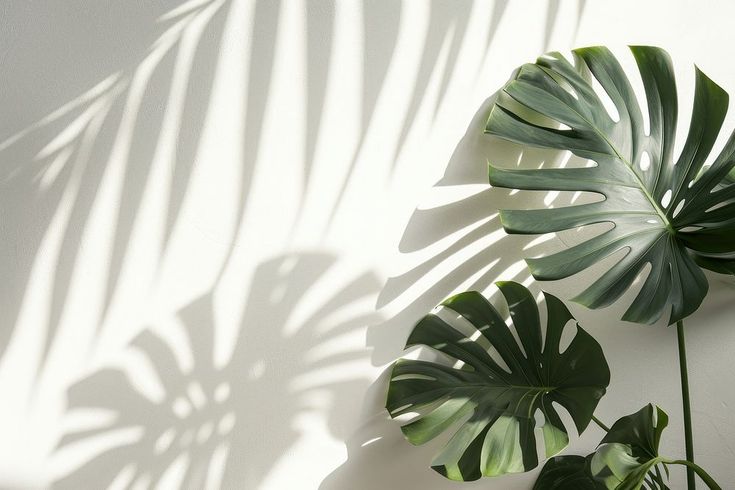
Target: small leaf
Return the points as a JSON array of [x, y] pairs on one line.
[[641, 430], [491, 410], [629, 451]]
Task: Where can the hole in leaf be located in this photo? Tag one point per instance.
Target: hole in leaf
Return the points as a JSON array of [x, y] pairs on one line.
[[460, 365], [607, 102], [645, 162], [666, 200], [567, 335], [406, 417], [719, 205], [402, 377], [690, 229], [538, 416], [679, 207], [566, 418], [401, 408]]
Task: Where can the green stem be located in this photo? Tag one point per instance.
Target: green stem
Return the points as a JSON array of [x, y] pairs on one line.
[[686, 405], [711, 483], [602, 426]]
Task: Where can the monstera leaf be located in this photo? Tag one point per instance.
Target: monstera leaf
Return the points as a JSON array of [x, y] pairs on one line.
[[565, 472], [628, 454], [491, 408], [676, 215], [626, 458]]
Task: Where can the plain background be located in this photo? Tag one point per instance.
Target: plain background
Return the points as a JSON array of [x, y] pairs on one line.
[[220, 219]]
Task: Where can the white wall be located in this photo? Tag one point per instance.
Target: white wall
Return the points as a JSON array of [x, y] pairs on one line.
[[220, 219]]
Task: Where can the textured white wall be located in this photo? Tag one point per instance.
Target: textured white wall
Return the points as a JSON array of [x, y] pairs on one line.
[[220, 219]]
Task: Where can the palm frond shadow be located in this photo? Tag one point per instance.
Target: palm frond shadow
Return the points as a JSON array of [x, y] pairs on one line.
[[209, 416], [57, 168], [475, 251], [447, 23], [380, 457], [106, 140], [54, 169], [469, 223], [41, 43]]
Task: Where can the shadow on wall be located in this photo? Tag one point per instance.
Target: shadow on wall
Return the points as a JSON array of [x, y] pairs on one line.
[[41, 43], [106, 146], [102, 146], [208, 418], [105, 140], [475, 253]]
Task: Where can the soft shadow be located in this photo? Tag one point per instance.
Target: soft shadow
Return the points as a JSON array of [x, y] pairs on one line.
[[109, 138], [209, 416], [40, 43], [448, 23], [474, 253], [448, 20], [379, 457]]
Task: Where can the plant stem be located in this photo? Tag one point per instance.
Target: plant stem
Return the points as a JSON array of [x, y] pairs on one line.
[[602, 426], [711, 483], [686, 405]]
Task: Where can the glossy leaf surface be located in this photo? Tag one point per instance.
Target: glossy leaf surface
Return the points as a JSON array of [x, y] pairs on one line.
[[489, 403], [671, 213], [628, 454], [566, 472]]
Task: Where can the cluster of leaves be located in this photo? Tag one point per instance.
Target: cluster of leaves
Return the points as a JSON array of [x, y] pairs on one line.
[[627, 458], [492, 403], [675, 216]]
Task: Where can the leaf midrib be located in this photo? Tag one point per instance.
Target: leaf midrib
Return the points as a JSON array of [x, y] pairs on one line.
[[629, 165]]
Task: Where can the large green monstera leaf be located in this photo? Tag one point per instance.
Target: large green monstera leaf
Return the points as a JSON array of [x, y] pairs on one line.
[[491, 408], [676, 215]]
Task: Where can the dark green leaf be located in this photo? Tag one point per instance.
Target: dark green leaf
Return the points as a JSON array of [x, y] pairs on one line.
[[491, 409], [567, 472], [641, 430], [628, 453], [676, 215]]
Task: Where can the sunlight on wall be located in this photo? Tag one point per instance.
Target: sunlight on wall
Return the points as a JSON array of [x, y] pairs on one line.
[[213, 252]]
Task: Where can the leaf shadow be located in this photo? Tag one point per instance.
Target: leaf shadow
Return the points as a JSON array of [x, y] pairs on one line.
[[209, 414], [380, 457], [448, 23], [463, 244], [104, 143]]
